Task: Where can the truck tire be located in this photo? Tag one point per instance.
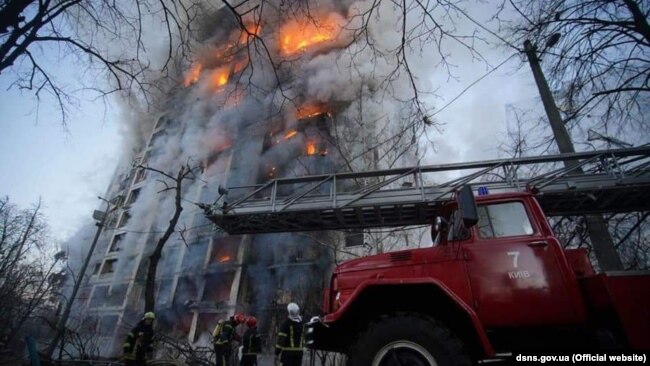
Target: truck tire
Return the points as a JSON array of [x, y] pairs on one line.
[[407, 339]]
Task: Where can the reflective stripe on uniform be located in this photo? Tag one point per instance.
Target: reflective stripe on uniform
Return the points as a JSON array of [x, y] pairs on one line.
[[291, 337], [292, 349]]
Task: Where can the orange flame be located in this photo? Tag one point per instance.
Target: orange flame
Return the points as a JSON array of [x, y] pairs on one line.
[[224, 258], [240, 65], [311, 148], [251, 28], [193, 74], [297, 37], [290, 134], [220, 76], [311, 110]]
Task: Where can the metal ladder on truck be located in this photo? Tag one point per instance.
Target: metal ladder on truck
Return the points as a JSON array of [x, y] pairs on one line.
[[598, 182]]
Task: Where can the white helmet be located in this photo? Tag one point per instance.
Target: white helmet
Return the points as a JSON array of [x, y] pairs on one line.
[[293, 309]]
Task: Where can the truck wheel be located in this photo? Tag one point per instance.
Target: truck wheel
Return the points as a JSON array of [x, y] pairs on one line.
[[407, 339]]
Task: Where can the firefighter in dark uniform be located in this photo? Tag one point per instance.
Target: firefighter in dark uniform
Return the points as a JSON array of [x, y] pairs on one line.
[[251, 343], [139, 342], [223, 335], [288, 348]]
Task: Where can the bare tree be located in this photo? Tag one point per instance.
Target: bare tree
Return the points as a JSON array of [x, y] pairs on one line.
[[173, 183], [101, 37], [595, 55], [30, 272]]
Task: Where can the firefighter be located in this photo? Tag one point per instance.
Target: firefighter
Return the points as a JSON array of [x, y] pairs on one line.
[[251, 343], [223, 335], [288, 350], [138, 343]]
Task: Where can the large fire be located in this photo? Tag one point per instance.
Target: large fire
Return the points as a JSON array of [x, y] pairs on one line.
[[224, 55], [297, 36]]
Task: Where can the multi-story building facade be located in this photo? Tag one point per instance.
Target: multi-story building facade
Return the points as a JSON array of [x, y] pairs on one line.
[[235, 137]]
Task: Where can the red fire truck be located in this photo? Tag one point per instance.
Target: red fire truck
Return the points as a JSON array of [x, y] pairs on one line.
[[495, 280]]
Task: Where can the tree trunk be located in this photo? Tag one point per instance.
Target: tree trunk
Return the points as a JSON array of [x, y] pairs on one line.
[[150, 284]]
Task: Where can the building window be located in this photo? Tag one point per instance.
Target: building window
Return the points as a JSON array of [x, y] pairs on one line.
[[117, 201], [156, 136], [116, 244], [133, 196], [126, 216], [164, 122], [109, 266], [111, 220], [140, 175]]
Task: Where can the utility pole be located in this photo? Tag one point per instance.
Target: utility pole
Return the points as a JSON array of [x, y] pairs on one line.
[[100, 218], [601, 241]]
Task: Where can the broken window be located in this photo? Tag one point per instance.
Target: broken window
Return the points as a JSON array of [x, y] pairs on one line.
[[126, 216], [195, 254], [133, 196], [186, 291], [140, 175], [117, 201], [116, 243], [217, 288], [224, 249], [109, 266]]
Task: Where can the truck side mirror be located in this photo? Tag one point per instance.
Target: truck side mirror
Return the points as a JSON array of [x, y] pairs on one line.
[[467, 206], [439, 224]]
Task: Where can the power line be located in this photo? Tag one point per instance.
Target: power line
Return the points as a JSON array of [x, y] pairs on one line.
[[474, 83]]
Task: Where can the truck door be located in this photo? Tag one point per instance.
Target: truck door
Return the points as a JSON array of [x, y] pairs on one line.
[[514, 271]]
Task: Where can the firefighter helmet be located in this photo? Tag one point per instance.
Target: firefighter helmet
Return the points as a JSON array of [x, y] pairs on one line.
[[251, 321], [293, 309], [149, 315], [239, 318]]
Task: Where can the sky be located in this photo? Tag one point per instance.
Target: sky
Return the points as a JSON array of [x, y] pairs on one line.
[[68, 168]]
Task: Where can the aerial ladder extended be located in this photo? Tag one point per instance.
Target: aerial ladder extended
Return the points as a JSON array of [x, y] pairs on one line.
[[606, 181]]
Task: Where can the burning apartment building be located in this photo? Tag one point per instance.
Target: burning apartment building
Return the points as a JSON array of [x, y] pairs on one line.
[[276, 93]]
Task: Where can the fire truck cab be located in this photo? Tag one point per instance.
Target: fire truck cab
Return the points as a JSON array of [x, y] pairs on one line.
[[496, 280]]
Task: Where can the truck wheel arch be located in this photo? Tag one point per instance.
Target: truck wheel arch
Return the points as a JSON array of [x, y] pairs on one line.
[[408, 338], [429, 298]]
